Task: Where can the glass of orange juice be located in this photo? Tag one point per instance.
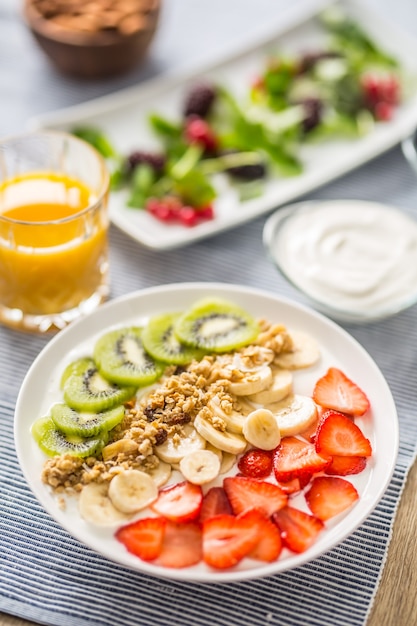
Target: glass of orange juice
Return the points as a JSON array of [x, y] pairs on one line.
[[53, 230]]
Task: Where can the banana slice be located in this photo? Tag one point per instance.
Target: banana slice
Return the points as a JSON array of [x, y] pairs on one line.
[[225, 441], [132, 491], [280, 388], [178, 445], [228, 461], [294, 414], [261, 429], [305, 352], [234, 421], [121, 446], [160, 474], [252, 381], [96, 507], [200, 467], [215, 450]]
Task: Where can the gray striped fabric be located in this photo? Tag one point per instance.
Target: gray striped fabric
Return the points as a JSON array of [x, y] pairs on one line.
[[47, 576]]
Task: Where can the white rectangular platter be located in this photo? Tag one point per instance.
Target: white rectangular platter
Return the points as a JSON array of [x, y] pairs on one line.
[[124, 117]]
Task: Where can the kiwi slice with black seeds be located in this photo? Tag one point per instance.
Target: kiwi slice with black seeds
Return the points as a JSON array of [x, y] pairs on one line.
[[121, 358], [216, 325], [54, 443], [160, 341], [85, 389], [85, 424]]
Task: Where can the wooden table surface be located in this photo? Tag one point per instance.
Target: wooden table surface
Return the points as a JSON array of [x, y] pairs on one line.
[[395, 602]]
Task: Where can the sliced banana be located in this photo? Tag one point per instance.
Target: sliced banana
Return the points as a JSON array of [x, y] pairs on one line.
[[96, 507], [252, 381], [160, 474], [121, 446], [216, 451], [132, 491], [234, 421], [280, 388], [261, 429], [225, 441], [228, 461], [178, 445], [200, 467], [294, 414], [305, 352]]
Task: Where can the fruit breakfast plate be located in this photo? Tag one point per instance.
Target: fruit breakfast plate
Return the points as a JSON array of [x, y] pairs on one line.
[[301, 153], [323, 352]]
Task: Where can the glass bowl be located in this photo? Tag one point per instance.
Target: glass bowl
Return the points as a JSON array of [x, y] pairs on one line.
[[354, 261]]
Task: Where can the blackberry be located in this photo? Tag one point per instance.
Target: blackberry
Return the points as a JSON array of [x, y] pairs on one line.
[[156, 161], [248, 172], [199, 100], [313, 108], [309, 60]]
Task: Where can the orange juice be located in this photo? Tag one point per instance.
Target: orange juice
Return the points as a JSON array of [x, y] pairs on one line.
[[53, 243]]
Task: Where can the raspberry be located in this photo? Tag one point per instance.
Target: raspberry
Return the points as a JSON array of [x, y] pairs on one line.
[[198, 131], [171, 209], [383, 111], [156, 161], [199, 100]]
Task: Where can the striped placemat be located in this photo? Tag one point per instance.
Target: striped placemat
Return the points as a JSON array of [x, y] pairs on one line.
[[47, 576]]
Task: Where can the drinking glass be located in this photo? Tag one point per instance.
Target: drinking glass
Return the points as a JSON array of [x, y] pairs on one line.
[[53, 230]]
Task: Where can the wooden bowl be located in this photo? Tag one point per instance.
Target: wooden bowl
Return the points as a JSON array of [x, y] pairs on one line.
[[92, 53]]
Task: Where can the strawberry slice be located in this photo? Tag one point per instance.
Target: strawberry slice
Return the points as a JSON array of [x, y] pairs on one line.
[[248, 493], [179, 503], [299, 530], [329, 495], [295, 458], [215, 502], [336, 391], [228, 539], [294, 485], [181, 546], [269, 544], [338, 435], [345, 465], [143, 538], [256, 463]]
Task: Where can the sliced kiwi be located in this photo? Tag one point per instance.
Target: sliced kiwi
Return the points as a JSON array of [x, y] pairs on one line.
[[122, 358], [160, 341], [85, 389], [53, 442], [216, 325], [83, 424]]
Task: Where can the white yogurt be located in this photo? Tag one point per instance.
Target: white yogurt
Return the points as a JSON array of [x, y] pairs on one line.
[[354, 256]]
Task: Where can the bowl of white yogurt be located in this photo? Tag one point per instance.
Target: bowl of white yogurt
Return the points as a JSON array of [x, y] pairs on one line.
[[355, 261]]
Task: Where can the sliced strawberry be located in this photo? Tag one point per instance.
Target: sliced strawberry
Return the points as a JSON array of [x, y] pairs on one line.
[[248, 493], [336, 391], [182, 545], [345, 465], [295, 458], [340, 436], [310, 432], [269, 544], [179, 503], [143, 538], [256, 463], [329, 495], [215, 502], [295, 485], [299, 530], [228, 539]]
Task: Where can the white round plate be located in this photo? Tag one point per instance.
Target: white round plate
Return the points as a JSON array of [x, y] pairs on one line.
[[40, 390]]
